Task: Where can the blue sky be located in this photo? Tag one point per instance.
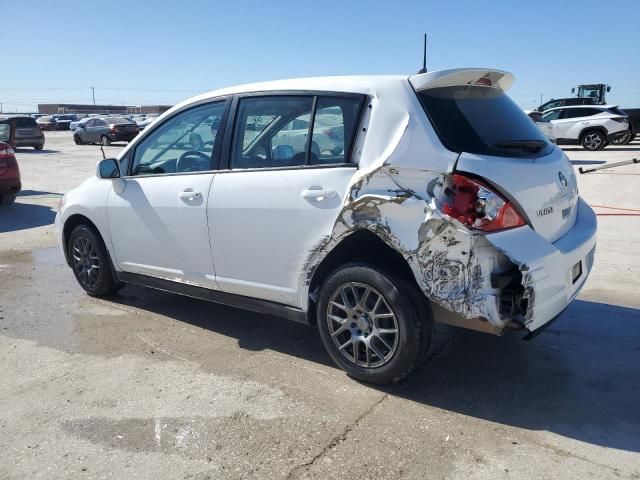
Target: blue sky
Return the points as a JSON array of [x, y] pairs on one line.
[[141, 52]]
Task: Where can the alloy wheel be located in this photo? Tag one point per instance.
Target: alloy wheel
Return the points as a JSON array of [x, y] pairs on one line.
[[362, 325], [86, 262], [592, 141]]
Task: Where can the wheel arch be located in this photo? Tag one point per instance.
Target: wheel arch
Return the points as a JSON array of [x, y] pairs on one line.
[[72, 222], [362, 246], [585, 130]]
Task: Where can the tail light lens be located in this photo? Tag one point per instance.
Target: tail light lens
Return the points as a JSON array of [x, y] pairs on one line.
[[623, 120], [7, 153], [478, 207], [113, 128]]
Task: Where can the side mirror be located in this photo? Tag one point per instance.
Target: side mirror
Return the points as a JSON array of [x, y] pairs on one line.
[[608, 89], [573, 90], [108, 168]]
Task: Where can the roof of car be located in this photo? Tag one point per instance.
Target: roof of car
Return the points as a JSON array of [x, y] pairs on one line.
[[365, 84], [564, 107]]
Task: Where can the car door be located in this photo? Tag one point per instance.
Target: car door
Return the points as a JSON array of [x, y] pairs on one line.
[[559, 127], [158, 216], [570, 122], [89, 134], [272, 204]]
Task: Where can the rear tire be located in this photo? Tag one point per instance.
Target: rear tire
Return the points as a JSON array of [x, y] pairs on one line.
[[105, 140], [90, 262], [8, 199], [38, 147], [593, 140], [626, 138], [371, 325]]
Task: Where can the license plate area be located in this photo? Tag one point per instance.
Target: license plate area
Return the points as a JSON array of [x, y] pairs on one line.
[[576, 272]]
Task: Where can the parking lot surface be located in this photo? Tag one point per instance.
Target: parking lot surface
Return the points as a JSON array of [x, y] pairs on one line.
[[154, 385]]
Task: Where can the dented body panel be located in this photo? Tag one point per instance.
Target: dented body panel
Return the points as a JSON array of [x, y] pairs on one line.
[[522, 277]]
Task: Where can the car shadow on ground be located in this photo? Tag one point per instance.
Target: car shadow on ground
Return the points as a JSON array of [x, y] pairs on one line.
[[21, 216], [587, 162], [33, 151], [37, 193], [613, 148], [579, 379]]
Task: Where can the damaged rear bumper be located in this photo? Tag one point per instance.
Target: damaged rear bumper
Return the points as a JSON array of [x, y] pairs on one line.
[[552, 274]]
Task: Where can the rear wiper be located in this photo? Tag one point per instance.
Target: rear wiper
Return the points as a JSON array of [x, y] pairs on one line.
[[528, 145]]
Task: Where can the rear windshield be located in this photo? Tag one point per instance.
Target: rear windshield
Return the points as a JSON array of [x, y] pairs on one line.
[[482, 120], [117, 121], [617, 111], [24, 122]]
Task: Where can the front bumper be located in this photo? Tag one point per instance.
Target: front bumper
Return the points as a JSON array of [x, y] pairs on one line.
[[57, 224], [548, 268]]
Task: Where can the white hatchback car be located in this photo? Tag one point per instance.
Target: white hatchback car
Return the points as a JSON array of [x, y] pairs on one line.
[[444, 203], [592, 126]]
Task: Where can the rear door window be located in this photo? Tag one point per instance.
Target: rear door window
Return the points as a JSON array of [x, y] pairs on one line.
[[569, 113], [273, 131], [554, 115], [482, 120], [333, 130]]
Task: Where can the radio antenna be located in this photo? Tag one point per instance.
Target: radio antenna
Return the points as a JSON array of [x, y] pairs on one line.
[[424, 56]]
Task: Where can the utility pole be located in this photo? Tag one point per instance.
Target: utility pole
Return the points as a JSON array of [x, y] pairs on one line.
[[540, 100], [93, 94]]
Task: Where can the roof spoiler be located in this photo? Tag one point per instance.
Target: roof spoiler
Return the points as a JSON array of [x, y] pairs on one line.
[[462, 76]]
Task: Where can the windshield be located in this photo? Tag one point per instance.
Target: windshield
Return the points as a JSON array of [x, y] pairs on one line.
[[482, 120]]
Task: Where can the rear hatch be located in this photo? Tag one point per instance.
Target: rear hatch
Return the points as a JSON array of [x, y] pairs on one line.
[[27, 128], [126, 127], [496, 141]]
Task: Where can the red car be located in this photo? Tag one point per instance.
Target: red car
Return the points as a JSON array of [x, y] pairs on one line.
[[9, 175]]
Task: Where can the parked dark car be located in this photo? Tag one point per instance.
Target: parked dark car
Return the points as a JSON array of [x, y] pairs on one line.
[[634, 121], [565, 102], [9, 175], [63, 122], [105, 131], [21, 131]]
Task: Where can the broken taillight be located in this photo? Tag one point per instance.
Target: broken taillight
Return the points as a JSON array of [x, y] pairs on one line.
[[477, 206], [483, 82]]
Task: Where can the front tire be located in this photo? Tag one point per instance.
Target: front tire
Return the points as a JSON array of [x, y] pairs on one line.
[[593, 140], [38, 147], [90, 262], [370, 325], [78, 140]]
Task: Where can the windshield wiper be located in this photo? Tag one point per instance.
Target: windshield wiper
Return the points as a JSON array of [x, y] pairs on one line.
[[528, 145]]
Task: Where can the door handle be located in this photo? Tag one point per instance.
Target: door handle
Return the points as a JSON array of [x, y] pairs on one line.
[[318, 193], [190, 195]]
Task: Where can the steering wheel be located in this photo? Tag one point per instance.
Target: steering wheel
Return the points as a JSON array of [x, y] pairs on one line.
[[182, 165]]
